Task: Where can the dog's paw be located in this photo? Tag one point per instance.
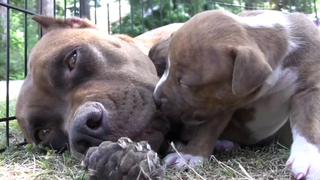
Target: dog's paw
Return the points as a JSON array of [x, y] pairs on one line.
[[304, 160], [175, 160], [225, 145]]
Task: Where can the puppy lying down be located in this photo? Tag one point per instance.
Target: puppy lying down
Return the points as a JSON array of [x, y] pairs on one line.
[[240, 78]]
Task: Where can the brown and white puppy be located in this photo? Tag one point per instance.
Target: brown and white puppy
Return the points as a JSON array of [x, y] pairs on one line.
[[240, 77], [84, 86]]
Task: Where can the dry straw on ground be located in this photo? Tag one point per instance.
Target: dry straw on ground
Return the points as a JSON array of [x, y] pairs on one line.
[[18, 163], [264, 163]]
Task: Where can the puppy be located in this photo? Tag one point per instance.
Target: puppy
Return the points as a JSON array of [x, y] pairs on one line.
[[240, 78]]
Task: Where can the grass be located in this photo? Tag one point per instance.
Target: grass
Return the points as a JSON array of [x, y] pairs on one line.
[[15, 134], [266, 163], [27, 163]]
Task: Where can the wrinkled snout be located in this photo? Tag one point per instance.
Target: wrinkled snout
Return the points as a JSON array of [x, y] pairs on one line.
[[89, 127]]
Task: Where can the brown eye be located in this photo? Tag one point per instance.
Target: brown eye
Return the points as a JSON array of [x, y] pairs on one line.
[[72, 61], [42, 134]]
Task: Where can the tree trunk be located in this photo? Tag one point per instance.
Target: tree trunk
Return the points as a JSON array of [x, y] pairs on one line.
[[46, 8], [85, 9], [250, 5], [3, 21]]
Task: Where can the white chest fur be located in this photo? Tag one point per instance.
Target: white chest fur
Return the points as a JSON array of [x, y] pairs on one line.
[[272, 104]]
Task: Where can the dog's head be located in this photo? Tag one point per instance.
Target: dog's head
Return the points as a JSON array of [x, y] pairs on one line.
[[84, 86], [212, 66]]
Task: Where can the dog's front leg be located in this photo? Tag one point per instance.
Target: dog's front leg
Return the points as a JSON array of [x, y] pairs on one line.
[[304, 159], [201, 145]]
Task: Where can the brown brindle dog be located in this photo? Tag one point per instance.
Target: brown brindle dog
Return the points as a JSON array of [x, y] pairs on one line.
[[84, 86], [240, 77]]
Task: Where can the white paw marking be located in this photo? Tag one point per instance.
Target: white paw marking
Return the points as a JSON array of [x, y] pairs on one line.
[[175, 159], [304, 159]]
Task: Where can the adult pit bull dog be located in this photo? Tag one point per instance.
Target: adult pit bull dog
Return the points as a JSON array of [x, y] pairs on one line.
[[240, 77], [84, 86]]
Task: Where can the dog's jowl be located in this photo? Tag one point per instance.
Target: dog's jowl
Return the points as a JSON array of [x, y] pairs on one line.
[[221, 66]]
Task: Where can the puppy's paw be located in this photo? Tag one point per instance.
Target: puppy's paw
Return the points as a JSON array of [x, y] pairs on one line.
[[225, 145], [175, 159], [304, 160]]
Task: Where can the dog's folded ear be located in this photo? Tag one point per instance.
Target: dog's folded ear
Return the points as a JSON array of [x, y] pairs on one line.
[[250, 70], [49, 23]]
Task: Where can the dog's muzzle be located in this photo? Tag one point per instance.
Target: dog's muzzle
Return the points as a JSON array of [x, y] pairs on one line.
[[88, 128]]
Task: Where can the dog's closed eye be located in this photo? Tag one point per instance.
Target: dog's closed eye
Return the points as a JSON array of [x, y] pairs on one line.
[[182, 84]]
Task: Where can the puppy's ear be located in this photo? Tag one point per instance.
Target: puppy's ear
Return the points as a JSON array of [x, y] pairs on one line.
[[250, 70], [49, 23]]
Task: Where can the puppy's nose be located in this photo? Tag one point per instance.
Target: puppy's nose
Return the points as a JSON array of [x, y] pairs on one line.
[[157, 102], [159, 98]]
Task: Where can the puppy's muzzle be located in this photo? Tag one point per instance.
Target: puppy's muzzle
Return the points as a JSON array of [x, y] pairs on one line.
[[89, 127], [159, 98]]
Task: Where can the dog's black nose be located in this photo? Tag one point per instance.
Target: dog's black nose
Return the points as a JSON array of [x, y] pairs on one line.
[[89, 128]]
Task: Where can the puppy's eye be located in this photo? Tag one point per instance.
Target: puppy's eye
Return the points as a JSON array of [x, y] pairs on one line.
[[42, 134], [72, 60], [182, 84]]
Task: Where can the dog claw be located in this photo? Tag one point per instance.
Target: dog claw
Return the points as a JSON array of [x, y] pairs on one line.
[[289, 164], [83, 164], [299, 176]]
